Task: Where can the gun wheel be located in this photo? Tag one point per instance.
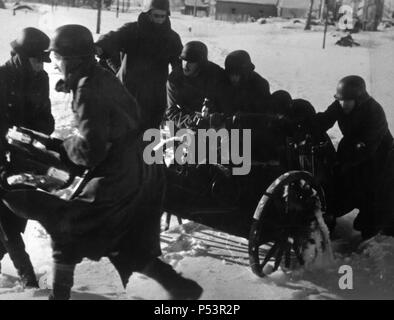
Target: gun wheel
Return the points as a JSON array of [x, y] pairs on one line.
[[282, 222]]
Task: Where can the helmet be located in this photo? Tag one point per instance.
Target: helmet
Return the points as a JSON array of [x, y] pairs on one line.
[[32, 43], [238, 62], [72, 40], [195, 51], [351, 88], [156, 4], [281, 102]]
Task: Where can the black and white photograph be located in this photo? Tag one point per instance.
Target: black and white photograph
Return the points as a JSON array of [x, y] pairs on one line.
[[210, 150]]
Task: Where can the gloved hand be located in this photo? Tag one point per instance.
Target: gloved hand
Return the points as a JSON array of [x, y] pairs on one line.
[[61, 86]]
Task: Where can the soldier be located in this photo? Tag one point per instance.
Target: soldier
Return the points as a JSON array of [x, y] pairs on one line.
[[25, 84], [118, 209], [362, 153], [198, 80], [295, 121], [251, 92], [298, 112], [288, 118], [250, 95], [24, 101], [146, 48]]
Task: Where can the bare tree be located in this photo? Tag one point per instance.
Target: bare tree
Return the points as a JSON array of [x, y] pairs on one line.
[[379, 8], [309, 20]]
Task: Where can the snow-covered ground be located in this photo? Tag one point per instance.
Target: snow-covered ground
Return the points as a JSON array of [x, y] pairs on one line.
[[290, 59]]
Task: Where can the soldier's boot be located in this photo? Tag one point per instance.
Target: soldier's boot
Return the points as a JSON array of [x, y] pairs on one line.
[[178, 287], [63, 280], [21, 260]]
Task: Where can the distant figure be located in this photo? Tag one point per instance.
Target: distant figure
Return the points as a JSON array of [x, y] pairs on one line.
[[347, 41]]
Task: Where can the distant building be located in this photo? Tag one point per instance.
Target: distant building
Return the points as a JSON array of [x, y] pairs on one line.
[[297, 8], [197, 7], [245, 10], [371, 12]]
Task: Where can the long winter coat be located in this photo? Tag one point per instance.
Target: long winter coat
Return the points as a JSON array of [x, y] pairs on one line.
[[367, 123], [24, 101], [252, 95], [140, 53], [361, 171], [117, 214], [185, 95]]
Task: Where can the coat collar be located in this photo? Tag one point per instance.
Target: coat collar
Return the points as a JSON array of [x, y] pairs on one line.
[[74, 72]]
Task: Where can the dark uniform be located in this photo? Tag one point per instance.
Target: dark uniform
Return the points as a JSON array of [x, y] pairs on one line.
[[250, 96], [362, 153], [252, 93], [117, 213], [25, 96], [186, 94], [297, 115], [140, 53], [24, 101]]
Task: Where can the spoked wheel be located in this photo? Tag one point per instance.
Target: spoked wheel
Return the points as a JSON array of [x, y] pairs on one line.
[[283, 221]]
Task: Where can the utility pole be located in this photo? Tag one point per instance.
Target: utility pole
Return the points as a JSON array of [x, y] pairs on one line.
[[326, 24], [195, 8], [321, 10], [117, 8], [379, 8], [99, 7]]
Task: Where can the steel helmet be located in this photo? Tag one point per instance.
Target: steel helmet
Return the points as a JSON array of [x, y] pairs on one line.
[[351, 88], [238, 62], [72, 40], [195, 51], [156, 4], [281, 102], [32, 43]]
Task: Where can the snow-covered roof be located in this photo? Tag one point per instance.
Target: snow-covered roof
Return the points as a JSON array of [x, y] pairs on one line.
[[267, 2], [198, 3], [297, 4]]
